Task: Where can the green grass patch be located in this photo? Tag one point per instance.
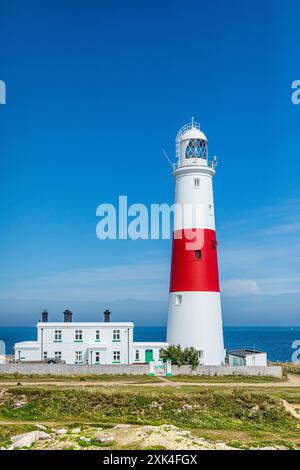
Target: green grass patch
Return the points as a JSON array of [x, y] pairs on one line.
[[77, 378], [212, 409], [223, 379]]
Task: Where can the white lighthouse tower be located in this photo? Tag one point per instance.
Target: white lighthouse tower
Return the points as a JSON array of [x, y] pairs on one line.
[[194, 317]]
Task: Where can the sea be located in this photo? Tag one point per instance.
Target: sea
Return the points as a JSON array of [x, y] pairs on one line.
[[276, 341]]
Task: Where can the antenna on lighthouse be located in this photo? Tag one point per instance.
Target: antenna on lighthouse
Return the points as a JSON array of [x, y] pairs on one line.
[[172, 165]]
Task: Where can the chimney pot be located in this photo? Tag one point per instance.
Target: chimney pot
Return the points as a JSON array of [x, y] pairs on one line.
[[107, 316], [68, 316], [44, 316]]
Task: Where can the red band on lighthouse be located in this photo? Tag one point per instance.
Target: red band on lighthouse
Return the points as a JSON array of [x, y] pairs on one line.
[[194, 269]]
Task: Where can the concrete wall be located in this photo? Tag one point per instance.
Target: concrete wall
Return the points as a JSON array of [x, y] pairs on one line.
[[137, 369], [272, 371]]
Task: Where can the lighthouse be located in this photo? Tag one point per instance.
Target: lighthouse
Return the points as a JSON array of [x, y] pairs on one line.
[[194, 316]]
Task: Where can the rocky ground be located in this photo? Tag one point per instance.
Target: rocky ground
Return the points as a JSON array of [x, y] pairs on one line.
[[121, 436], [175, 417]]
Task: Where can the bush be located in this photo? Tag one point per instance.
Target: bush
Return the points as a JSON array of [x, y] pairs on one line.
[[180, 357]]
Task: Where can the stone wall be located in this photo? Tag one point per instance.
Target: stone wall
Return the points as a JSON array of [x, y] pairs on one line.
[[136, 369], [272, 371]]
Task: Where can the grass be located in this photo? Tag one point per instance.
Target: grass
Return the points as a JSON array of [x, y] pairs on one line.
[[223, 378], [236, 416], [77, 378], [290, 368], [198, 409]]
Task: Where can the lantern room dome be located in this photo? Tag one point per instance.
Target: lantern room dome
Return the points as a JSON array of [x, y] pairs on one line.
[[193, 133], [191, 143]]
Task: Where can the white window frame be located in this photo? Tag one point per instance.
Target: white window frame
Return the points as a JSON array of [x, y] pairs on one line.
[[197, 183], [116, 356], [97, 357], [45, 355], [57, 335], [78, 335], [78, 357], [116, 335], [57, 354], [178, 299], [137, 355], [97, 335]]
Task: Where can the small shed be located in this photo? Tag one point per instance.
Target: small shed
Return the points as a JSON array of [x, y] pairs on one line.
[[247, 357]]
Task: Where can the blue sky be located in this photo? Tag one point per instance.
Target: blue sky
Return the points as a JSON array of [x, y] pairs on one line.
[[94, 91]]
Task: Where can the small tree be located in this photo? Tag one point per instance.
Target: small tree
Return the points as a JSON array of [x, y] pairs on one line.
[[191, 357], [180, 357]]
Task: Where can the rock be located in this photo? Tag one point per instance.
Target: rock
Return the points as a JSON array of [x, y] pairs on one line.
[[27, 439], [254, 410], [19, 404], [223, 446], [105, 439], [85, 439], [41, 427], [187, 407], [76, 431], [122, 426], [61, 432]]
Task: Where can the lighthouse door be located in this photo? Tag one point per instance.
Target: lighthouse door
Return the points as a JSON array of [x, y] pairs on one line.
[[148, 355]]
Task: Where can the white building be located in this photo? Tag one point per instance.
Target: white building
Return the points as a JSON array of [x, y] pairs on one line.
[[86, 343], [247, 357]]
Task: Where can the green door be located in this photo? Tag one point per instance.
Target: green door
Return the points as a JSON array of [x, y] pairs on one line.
[[148, 355]]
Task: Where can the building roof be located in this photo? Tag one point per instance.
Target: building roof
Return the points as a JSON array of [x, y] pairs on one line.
[[244, 352], [98, 324], [146, 344], [27, 344]]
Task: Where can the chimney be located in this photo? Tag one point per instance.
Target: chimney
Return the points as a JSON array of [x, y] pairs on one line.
[[45, 316], [107, 316], [68, 316]]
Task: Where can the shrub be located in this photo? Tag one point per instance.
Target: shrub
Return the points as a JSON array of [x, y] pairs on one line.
[[180, 357]]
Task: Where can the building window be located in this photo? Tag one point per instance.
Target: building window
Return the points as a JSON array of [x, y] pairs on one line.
[[78, 335], [116, 356], [57, 355], [97, 357], [137, 355], [45, 355], [57, 335], [78, 357], [198, 254], [178, 299], [116, 335], [97, 335], [201, 356], [213, 244], [196, 183], [196, 148]]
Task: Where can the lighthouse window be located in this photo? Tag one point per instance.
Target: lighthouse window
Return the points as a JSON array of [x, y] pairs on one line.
[[210, 210], [178, 299], [196, 148], [198, 254], [197, 182]]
